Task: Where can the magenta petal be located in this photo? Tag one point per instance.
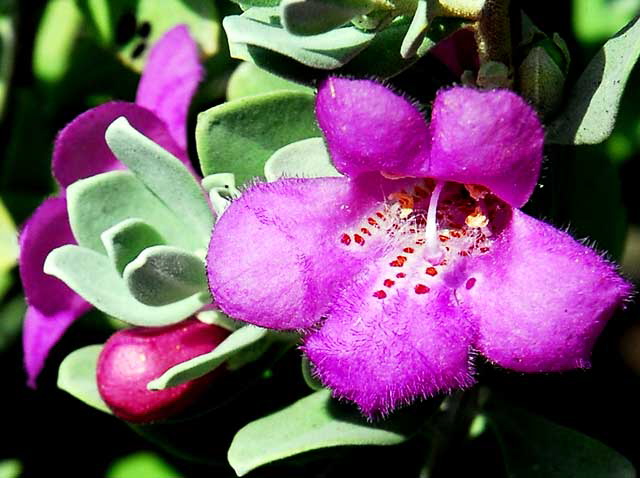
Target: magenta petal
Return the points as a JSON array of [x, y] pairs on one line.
[[367, 127], [52, 305], [541, 298], [275, 257], [170, 79], [383, 353], [491, 138], [81, 151]]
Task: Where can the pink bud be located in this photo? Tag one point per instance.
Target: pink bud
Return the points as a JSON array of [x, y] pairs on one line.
[[131, 358]]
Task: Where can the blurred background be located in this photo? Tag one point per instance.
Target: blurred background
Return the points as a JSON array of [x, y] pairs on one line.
[[59, 58]]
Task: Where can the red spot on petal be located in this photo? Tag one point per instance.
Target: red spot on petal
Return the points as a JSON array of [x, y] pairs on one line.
[[484, 249], [402, 259], [359, 239], [443, 238], [380, 215], [420, 241], [388, 282], [364, 230], [396, 263], [345, 239], [463, 253], [431, 271], [400, 275], [379, 294], [421, 289], [470, 283], [372, 221], [455, 234], [408, 250]]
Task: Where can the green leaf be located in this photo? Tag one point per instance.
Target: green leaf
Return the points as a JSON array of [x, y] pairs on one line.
[[311, 423], [127, 239], [326, 51], [164, 175], [311, 17], [56, 40], [10, 468], [240, 341], [143, 464], [257, 3], [11, 315], [8, 240], [417, 30], [382, 57], [93, 277], [7, 53], [307, 158], [107, 16], [596, 20], [307, 374], [240, 135], [590, 113], [100, 202], [161, 275], [77, 376], [535, 447], [249, 80]]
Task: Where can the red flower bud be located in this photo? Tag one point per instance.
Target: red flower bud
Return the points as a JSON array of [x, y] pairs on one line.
[[131, 358]]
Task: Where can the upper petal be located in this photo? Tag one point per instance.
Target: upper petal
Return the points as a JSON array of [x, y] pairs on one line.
[[492, 138], [81, 151], [368, 127], [385, 353], [541, 298], [170, 79], [52, 305], [275, 257]]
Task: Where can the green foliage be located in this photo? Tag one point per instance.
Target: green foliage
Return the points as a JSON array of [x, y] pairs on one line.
[[241, 135], [162, 275], [307, 158], [113, 19], [92, 276], [311, 423], [127, 239], [143, 464], [312, 17], [249, 80], [77, 376], [165, 176], [534, 447], [592, 107]]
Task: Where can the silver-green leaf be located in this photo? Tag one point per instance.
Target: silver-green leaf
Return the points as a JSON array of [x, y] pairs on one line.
[[77, 376]]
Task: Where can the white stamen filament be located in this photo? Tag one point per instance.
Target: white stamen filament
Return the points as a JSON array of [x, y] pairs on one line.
[[432, 244]]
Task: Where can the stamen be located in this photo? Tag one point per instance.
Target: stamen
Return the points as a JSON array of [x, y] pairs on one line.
[[432, 244]]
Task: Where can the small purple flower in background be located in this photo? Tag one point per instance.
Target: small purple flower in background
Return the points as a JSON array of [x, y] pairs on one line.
[[416, 261], [170, 78]]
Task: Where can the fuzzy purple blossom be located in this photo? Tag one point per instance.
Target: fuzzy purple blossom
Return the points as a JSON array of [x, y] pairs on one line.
[[418, 260], [170, 78]]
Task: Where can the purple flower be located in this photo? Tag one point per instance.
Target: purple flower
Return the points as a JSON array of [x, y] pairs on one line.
[[418, 260], [168, 83]]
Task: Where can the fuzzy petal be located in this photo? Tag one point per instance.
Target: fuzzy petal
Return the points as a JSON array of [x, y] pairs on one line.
[[275, 258], [383, 353], [52, 305], [367, 127], [492, 138], [170, 79], [81, 151], [541, 298]]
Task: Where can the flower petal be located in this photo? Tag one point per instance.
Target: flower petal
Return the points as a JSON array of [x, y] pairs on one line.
[[492, 138], [170, 79], [275, 257], [52, 305], [369, 128], [81, 151], [541, 298], [382, 353]]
